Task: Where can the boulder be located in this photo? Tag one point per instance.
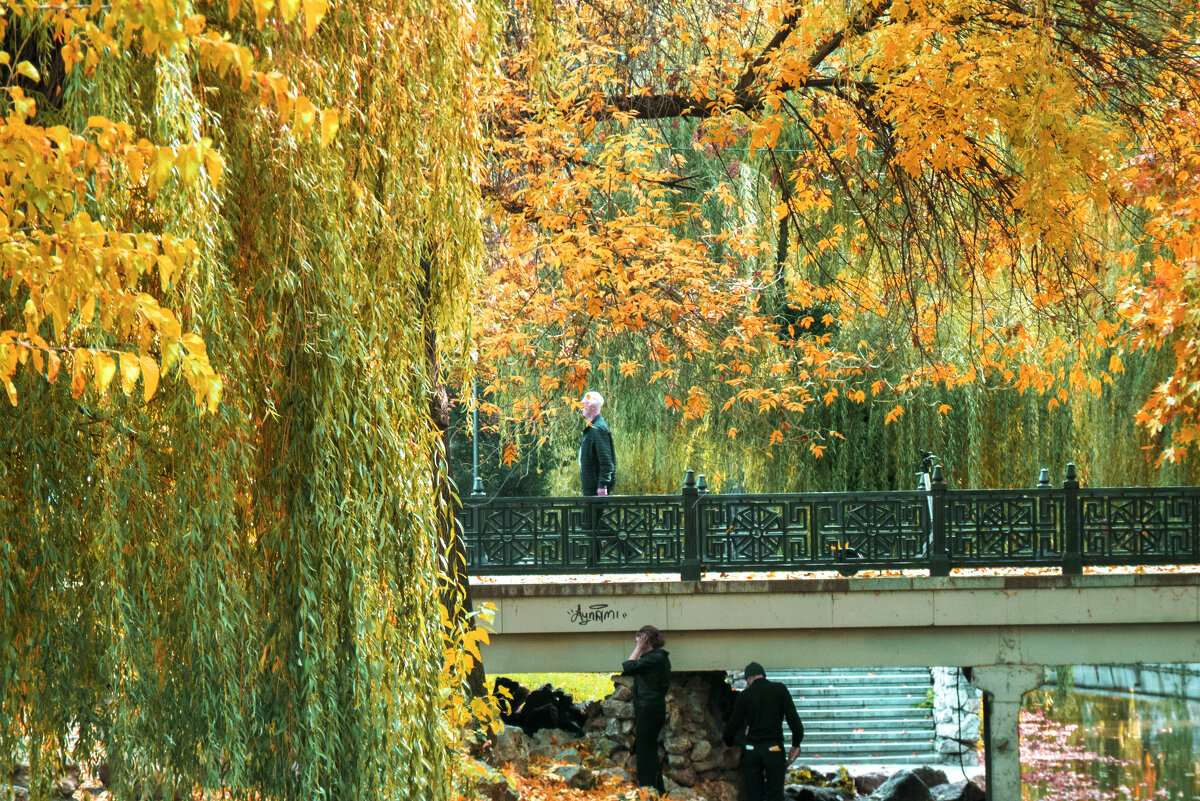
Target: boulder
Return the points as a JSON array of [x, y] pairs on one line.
[[611, 708], [807, 792], [702, 751], [958, 791], [576, 776], [902, 786], [867, 783], [618, 773], [601, 746], [930, 777], [569, 756], [509, 747], [684, 776], [676, 790], [616, 728], [677, 745], [494, 785]]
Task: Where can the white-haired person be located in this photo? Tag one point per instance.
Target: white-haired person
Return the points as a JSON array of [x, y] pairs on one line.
[[597, 459]]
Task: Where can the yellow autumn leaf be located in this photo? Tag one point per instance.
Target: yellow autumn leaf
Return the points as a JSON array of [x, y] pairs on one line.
[[130, 370], [214, 166], [314, 12], [78, 376], [261, 9], [329, 126], [194, 344], [29, 71], [305, 115], [216, 389], [104, 369], [149, 376], [164, 160]]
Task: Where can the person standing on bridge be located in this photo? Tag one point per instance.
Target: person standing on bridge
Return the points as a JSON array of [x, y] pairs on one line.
[[760, 710], [597, 459], [650, 667]]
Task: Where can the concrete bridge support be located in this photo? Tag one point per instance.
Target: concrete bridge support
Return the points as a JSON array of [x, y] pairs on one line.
[[1004, 685]]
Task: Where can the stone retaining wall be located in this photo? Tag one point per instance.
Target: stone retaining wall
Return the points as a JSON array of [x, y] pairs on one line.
[[956, 714], [697, 706]]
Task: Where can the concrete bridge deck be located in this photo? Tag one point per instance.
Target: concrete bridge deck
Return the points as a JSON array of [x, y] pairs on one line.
[[856, 622]]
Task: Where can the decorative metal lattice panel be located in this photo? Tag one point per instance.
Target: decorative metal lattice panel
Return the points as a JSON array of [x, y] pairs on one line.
[[569, 535], [1139, 525], [1004, 527], [812, 531]]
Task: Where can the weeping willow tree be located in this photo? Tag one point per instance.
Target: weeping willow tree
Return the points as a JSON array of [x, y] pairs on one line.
[[241, 233]]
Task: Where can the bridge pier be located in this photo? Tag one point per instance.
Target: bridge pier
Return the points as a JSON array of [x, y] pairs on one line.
[[1003, 687]]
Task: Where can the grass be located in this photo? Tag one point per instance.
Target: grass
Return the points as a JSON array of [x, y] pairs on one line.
[[581, 686]]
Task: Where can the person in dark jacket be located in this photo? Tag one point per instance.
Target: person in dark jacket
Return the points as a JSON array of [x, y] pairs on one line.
[[760, 710], [650, 667], [597, 459]]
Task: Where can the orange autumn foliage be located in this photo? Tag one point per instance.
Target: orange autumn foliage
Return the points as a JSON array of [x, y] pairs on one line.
[[765, 205]]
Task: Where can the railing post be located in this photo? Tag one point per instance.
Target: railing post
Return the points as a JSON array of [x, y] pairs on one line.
[[1072, 564], [939, 557], [689, 570]]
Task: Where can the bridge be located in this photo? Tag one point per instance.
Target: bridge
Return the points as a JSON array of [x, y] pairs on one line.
[[1004, 627]]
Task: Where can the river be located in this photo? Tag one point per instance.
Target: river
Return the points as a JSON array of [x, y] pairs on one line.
[[1084, 744]]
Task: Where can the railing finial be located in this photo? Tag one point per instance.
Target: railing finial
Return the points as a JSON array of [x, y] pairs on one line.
[[689, 479], [701, 485], [1043, 481]]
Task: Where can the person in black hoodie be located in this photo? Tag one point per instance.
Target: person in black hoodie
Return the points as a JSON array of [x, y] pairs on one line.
[[650, 667], [760, 709]]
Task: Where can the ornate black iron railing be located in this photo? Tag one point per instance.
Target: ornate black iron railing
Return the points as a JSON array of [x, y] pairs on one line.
[[935, 528]]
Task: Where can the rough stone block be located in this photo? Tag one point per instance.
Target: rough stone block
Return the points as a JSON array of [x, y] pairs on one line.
[[678, 745], [867, 783], [685, 776], [807, 792], [576, 776], [930, 777], [568, 755], [617, 709], [958, 791], [509, 747], [902, 786], [676, 790], [702, 750]]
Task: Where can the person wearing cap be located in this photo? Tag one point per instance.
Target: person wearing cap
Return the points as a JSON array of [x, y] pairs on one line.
[[760, 710], [597, 459], [650, 667]]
